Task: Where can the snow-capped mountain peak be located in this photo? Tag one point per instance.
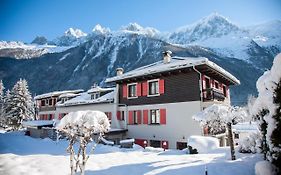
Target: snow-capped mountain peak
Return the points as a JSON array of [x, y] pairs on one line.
[[137, 29], [98, 29], [77, 33]]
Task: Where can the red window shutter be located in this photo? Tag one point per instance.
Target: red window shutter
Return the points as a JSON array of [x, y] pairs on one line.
[[139, 116], [165, 146], [161, 86], [130, 121], [118, 115], [125, 93], [163, 116], [145, 116], [144, 88], [139, 89], [53, 116], [60, 116]]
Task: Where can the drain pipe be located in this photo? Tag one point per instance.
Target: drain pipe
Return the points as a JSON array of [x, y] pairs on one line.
[[200, 83]]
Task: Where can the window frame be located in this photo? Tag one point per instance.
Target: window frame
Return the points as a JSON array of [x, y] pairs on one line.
[[128, 90], [135, 117], [210, 84], [157, 89], [155, 117], [216, 83]]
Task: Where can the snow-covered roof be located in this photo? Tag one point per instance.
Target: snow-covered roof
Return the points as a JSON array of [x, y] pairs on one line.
[[175, 64], [38, 123], [69, 95], [57, 93], [99, 89], [85, 98], [245, 127]]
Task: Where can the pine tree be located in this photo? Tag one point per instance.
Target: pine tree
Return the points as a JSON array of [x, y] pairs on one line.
[[2, 119], [276, 133], [6, 107], [19, 105]]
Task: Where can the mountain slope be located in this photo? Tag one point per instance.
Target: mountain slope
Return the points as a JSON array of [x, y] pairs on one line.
[[90, 58]]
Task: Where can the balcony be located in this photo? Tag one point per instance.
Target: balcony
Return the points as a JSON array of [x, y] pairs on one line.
[[212, 94], [47, 108]]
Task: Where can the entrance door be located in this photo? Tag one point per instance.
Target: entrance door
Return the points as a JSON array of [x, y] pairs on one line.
[[155, 143], [181, 145]]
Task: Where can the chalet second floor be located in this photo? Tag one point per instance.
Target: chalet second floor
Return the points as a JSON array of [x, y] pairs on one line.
[[176, 80]]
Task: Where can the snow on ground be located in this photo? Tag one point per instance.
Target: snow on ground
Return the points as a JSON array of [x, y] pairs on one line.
[[21, 154]]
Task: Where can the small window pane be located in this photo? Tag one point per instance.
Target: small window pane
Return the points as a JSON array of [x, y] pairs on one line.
[[132, 91], [153, 88]]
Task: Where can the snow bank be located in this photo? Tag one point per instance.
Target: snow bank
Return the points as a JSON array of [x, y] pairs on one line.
[[88, 120], [127, 141], [203, 144], [107, 142], [38, 123], [264, 168]]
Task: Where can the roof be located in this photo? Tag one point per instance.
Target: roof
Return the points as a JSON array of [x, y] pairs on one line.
[[38, 123], [175, 64], [57, 93], [99, 89], [85, 98], [245, 127]]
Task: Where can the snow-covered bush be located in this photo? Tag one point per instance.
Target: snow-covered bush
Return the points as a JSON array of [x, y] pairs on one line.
[[80, 127], [218, 115], [203, 144], [267, 107], [264, 168], [250, 144]]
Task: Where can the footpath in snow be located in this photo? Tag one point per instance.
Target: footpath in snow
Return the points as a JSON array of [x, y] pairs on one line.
[[21, 154]]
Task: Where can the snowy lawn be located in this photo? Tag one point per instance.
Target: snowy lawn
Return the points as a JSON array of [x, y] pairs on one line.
[[21, 154]]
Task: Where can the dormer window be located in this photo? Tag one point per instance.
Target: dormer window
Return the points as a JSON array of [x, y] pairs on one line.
[[132, 90], [95, 95], [153, 87]]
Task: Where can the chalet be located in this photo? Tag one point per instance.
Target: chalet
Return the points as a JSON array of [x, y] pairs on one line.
[[154, 104], [159, 99]]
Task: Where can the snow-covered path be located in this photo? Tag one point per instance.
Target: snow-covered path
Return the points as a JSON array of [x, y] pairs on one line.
[[24, 155]]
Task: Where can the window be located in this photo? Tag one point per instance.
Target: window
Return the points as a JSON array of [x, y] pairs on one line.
[[95, 96], [42, 102], [155, 143], [236, 136], [224, 91], [132, 90], [208, 84], [50, 102], [216, 85], [135, 117], [155, 116], [153, 87]]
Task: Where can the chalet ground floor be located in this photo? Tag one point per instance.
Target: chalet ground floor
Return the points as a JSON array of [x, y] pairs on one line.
[[166, 125]]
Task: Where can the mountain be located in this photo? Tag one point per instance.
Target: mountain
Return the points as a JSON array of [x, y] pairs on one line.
[[93, 57]]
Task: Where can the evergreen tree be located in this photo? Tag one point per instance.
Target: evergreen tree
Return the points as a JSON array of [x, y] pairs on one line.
[[6, 107], [2, 120], [19, 105], [276, 133]]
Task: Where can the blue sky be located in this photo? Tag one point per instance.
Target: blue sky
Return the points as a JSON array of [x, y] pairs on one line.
[[25, 19]]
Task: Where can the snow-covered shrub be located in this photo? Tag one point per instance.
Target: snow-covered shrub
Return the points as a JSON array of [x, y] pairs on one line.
[[268, 106], [218, 115], [203, 144], [80, 127], [250, 144], [264, 168]]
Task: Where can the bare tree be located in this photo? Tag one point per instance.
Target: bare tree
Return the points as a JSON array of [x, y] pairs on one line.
[[82, 127]]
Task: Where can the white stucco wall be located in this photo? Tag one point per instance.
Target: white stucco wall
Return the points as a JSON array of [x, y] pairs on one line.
[[179, 123]]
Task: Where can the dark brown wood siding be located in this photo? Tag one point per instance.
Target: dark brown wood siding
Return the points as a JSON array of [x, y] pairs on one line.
[[179, 87]]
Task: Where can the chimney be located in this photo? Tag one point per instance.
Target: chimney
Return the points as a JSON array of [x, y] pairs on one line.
[[167, 56], [119, 71]]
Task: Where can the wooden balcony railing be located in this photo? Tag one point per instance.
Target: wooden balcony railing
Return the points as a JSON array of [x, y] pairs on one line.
[[211, 94]]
